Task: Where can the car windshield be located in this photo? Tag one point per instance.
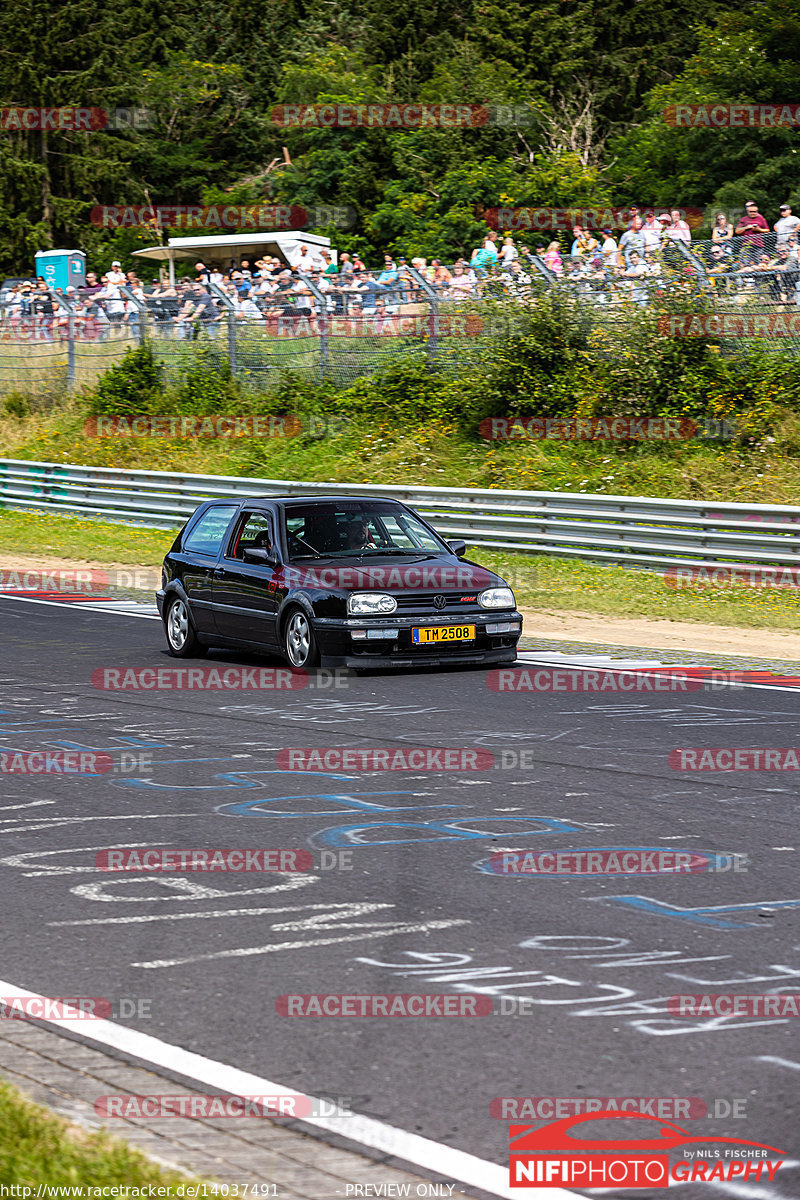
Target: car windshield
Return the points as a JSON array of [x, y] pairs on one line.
[[346, 528]]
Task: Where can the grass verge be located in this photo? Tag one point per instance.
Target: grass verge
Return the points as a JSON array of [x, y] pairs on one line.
[[38, 1147], [365, 448], [538, 581]]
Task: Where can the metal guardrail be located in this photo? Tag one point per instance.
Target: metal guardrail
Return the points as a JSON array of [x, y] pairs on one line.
[[630, 530]]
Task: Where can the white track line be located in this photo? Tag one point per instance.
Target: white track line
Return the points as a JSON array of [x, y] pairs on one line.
[[422, 1152], [88, 606]]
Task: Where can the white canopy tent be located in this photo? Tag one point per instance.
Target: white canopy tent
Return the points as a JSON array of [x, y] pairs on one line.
[[228, 250]]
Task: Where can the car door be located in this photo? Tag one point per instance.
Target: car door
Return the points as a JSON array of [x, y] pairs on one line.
[[245, 594], [197, 560]]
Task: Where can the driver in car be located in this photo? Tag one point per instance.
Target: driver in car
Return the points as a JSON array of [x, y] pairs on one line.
[[359, 536]]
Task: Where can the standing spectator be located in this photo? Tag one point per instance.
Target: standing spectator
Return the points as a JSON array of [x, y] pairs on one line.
[[372, 289], [509, 251], [786, 275], [203, 273], [116, 274], [679, 231], [441, 275], [330, 266], [608, 249], [584, 243], [632, 239], [722, 232], [575, 250], [43, 311], [552, 259], [460, 285], [204, 310], [112, 301], [92, 287], [345, 266], [245, 309], [388, 275], [637, 269], [752, 228], [652, 232], [785, 225], [309, 260], [519, 281]]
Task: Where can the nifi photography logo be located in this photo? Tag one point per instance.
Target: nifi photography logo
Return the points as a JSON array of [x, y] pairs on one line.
[[554, 1154]]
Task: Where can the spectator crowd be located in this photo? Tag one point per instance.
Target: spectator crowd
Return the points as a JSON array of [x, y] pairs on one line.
[[740, 262]]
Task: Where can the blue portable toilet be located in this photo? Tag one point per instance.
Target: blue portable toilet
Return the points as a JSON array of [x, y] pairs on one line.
[[61, 268]]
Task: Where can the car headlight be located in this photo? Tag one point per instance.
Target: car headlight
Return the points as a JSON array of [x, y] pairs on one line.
[[362, 604], [497, 597]]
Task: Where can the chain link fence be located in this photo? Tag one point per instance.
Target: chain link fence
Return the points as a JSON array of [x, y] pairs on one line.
[[339, 327]]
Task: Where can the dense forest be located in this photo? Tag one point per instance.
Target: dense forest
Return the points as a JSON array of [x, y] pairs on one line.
[[595, 79]]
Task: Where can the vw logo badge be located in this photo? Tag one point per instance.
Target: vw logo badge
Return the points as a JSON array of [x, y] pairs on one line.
[[439, 601]]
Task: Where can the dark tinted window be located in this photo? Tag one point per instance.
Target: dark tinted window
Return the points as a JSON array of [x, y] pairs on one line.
[[360, 526]]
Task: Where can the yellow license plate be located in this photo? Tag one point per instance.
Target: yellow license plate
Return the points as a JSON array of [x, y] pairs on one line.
[[443, 633]]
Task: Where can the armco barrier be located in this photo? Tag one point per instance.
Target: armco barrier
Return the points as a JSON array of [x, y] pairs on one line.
[[631, 530]]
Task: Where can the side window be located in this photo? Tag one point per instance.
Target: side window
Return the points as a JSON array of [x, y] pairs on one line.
[[253, 529], [206, 537]]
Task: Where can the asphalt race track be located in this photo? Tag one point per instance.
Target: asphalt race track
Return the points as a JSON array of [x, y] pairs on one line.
[[409, 902]]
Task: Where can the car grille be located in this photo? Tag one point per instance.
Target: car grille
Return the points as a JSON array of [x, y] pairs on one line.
[[424, 602]]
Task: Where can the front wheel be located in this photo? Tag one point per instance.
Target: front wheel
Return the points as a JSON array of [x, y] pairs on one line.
[[299, 642], [181, 638]]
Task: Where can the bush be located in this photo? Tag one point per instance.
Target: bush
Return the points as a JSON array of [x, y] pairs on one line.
[[16, 404], [131, 387]]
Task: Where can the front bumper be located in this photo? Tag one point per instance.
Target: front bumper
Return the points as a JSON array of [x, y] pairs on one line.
[[338, 647]]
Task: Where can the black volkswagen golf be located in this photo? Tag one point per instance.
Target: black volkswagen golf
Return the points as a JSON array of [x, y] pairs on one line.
[[331, 581]]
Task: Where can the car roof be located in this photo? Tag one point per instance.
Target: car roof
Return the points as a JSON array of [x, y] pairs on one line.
[[283, 500]]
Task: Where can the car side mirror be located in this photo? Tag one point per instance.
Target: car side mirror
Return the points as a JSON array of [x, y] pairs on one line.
[[458, 547], [260, 554]]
